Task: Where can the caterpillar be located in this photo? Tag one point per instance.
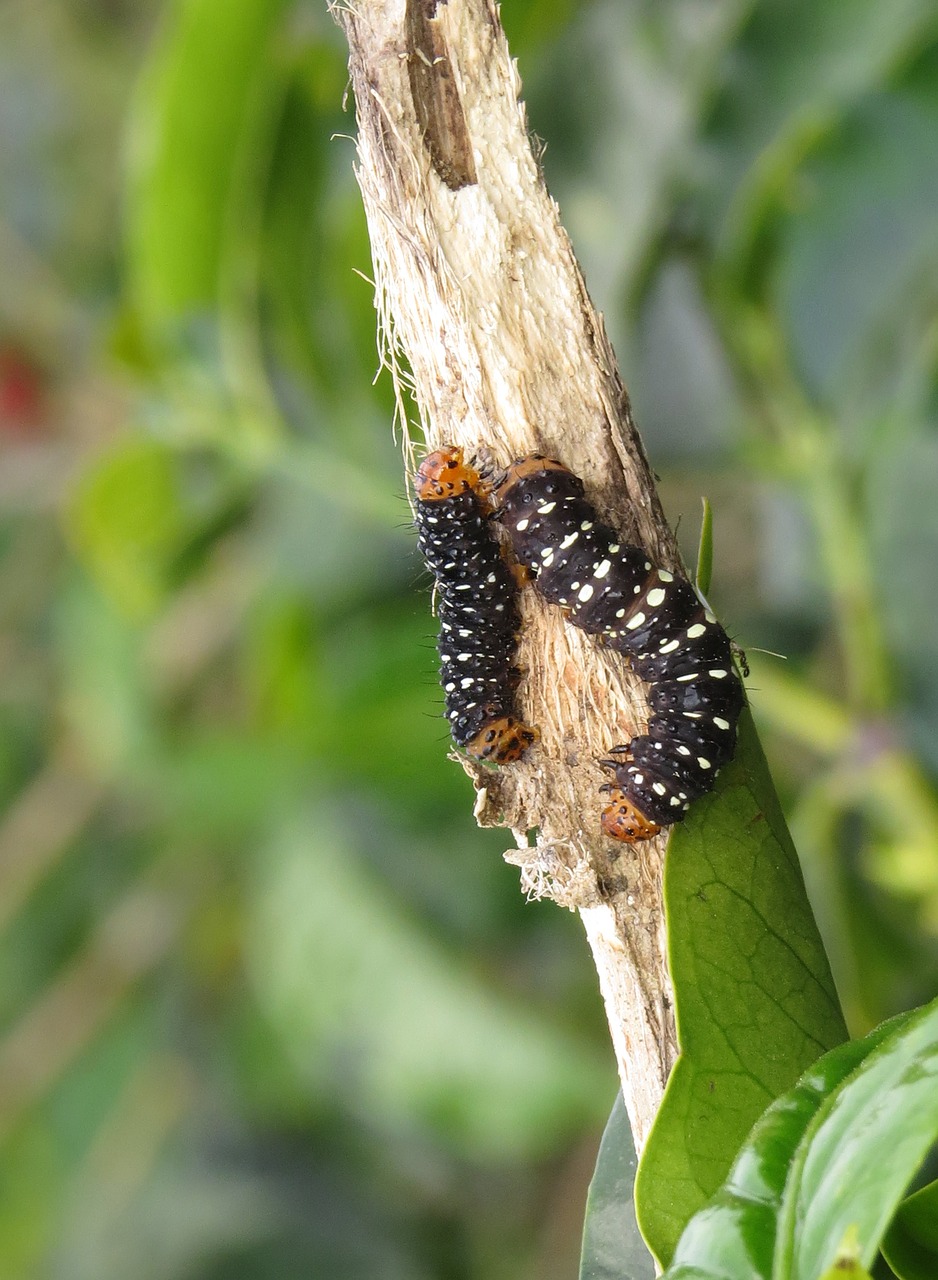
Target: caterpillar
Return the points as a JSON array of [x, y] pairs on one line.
[[478, 609], [612, 589]]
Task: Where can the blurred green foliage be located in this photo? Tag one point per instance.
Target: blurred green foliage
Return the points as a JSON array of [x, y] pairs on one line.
[[271, 1005]]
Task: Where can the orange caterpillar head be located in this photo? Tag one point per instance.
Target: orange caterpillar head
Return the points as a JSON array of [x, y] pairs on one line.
[[533, 464], [622, 821], [443, 474], [502, 741]]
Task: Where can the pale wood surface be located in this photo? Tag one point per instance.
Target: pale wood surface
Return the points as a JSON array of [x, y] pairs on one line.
[[478, 290]]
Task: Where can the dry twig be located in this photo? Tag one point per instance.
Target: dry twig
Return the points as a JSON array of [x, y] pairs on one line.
[[478, 288]]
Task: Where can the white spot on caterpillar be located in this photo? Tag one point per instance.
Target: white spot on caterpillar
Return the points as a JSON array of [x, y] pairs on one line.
[[569, 540], [620, 613], [546, 551], [600, 570], [721, 723], [585, 593], [659, 788], [694, 715], [682, 750], [670, 647], [637, 621], [684, 679], [696, 630], [709, 616], [522, 525], [656, 597], [704, 764], [586, 525], [674, 800], [647, 564], [664, 576], [614, 548], [546, 509], [718, 674], [549, 560]]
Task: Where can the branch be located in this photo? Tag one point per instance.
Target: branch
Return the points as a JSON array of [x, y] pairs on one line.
[[478, 288]]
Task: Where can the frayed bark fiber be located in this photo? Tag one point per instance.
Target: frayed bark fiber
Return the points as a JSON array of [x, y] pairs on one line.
[[478, 289]]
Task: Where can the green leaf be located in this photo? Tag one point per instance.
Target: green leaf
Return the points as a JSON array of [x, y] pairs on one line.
[[734, 1235], [195, 113], [705, 549], [755, 1001], [374, 1011], [126, 521], [613, 1248], [856, 271], [819, 1177], [794, 70], [862, 1151], [903, 525], [847, 1265], [911, 1243]]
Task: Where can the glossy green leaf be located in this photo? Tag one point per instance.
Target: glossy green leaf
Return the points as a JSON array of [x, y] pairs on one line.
[[735, 1234], [613, 1248], [911, 1243], [862, 1151], [755, 1000]]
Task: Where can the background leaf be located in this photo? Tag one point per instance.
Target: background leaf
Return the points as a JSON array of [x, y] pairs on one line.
[[613, 1248], [911, 1244], [196, 110]]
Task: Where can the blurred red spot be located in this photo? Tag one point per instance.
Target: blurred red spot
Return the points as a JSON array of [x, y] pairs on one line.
[[22, 402]]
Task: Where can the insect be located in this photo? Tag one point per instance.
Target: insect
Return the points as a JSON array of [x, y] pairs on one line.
[[478, 609], [612, 589]]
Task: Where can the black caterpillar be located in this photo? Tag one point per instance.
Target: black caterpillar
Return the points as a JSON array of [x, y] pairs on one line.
[[478, 610], [655, 618]]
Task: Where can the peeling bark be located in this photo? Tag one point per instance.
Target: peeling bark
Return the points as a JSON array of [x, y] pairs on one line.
[[478, 288]]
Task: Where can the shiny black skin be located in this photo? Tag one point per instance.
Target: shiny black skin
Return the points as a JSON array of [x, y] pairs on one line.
[[674, 642], [478, 611]]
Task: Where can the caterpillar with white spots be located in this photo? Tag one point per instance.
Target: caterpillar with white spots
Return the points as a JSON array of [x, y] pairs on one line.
[[654, 617], [477, 605]]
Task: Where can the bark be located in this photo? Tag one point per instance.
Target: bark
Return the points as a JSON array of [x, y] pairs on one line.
[[478, 289]]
